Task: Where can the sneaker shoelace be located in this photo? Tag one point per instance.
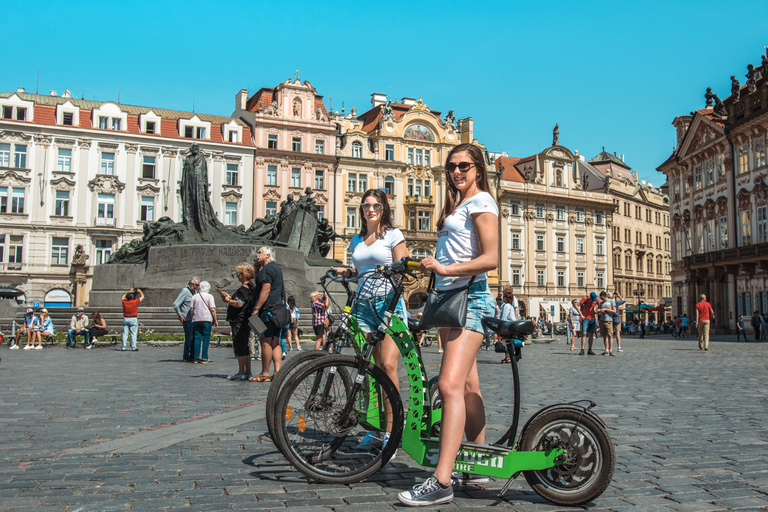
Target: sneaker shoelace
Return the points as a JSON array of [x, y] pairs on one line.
[[431, 484]]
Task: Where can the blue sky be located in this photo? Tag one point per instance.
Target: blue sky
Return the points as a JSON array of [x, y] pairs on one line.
[[612, 74]]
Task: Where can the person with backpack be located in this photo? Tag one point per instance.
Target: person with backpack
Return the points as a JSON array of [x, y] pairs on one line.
[[293, 327], [589, 323]]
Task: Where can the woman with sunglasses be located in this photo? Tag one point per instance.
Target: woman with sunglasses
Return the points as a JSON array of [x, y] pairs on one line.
[[379, 243], [467, 246]]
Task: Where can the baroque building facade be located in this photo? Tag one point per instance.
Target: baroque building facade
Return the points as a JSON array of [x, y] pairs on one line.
[[295, 144], [401, 147], [91, 174], [719, 187], [555, 235], [641, 250]]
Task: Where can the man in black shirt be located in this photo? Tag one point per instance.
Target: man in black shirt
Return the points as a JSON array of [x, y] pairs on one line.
[[269, 297]]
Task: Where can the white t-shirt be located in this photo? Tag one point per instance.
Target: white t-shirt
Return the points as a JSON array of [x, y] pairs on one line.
[[368, 257], [508, 311], [457, 242]]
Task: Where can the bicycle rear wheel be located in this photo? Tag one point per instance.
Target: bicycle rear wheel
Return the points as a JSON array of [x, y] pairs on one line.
[[286, 370], [322, 441]]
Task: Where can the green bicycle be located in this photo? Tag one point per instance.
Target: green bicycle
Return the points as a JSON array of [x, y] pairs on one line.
[[326, 406]]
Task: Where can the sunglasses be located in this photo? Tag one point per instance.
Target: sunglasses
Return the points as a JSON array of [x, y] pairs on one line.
[[463, 166], [376, 207]]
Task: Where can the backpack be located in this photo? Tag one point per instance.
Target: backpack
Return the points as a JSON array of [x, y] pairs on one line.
[[294, 316]]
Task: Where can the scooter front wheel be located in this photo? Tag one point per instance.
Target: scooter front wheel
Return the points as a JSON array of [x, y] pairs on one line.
[[589, 452]]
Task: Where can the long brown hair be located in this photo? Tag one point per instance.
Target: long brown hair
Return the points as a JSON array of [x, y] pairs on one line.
[[95, 316], [451, 192], [386, 215]]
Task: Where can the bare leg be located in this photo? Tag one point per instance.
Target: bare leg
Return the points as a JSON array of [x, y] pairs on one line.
[[266, 355], [319, 342], [462, 401]]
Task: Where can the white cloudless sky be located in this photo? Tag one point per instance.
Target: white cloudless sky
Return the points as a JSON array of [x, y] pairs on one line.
[[612, 74]]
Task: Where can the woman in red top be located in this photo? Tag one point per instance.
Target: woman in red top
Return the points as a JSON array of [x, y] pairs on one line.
[[131, 302]]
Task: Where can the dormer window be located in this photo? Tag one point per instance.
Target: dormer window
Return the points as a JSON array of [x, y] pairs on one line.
[[149, 123], [67, 114], [17, 113], [195, 128], [357, 150], [232, 132], [109, 116]]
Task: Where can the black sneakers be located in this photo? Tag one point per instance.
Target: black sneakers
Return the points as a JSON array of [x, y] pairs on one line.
[[591, 353]]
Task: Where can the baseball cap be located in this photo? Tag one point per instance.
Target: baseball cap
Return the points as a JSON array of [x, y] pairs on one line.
[[43, 310], [593, 296], [81, 308], [30, 311]]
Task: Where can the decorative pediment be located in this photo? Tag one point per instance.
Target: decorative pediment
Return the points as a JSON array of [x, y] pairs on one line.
[[84, 143], [677, 221], [148, 190], [744, 198], [14, 178], [232, 159], [698, 213], [130, 148], [558, 152], [39, 138], [13, 135], [272, 195], [65, 143], [170, 151], [107, 145], [687, 218], [320, 198], [722, 205], [701, 132], [234, 196], [106, 184], [709, 207], [63, 184], [354, 201], [420, 106], [149, 150], [761, 193]]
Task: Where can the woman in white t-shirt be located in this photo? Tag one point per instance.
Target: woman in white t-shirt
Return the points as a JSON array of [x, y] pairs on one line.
[[203, 311], [467, 245], [377, 244], [510, 310]]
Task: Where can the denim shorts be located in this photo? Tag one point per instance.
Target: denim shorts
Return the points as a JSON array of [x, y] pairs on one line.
[[589, 326], [480, 304], [369, 311]]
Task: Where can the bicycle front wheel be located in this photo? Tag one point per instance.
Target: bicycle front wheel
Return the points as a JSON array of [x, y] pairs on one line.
[[335, 433]]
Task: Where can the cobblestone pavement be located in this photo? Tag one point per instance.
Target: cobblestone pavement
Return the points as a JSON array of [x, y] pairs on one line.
[[110, 430]]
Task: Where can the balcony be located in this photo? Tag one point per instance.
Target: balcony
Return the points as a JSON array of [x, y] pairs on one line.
[[425, 200], [732, 255], [104, 222]]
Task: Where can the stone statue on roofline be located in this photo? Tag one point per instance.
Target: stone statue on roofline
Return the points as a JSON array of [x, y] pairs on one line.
[[751, 79], [735, 89], [556, 135], [450, 119], [708, 96], [719, 110]]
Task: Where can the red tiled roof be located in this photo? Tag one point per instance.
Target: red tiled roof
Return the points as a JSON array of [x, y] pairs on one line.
[[319, 103], [710, 114], [46, 115], [507, 165], [372, 117], [262, 99]]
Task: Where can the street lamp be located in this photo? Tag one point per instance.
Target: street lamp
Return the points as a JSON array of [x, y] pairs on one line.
[[639, 292]]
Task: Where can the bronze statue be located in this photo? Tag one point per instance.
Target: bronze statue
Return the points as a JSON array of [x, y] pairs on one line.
[[735, 89], [197, 210]]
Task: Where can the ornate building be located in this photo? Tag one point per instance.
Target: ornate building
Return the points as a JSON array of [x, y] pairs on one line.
[[295, 144], [400, 147], [641, 257], [555, 233], [88, 173], [719, 186]]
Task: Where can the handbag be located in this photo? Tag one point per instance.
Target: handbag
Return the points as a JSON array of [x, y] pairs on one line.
[[280, 316], [445, 309]]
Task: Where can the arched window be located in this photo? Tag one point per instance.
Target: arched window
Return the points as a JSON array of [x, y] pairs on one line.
[[357, 150], [389, 185]]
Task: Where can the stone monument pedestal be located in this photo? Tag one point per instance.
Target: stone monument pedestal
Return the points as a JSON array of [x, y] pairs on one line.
[[169, 269]]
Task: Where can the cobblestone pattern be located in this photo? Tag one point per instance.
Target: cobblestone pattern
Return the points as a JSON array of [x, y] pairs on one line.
[[689, 430]]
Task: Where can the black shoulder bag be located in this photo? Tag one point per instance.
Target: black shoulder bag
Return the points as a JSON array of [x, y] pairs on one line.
[[445, 309]]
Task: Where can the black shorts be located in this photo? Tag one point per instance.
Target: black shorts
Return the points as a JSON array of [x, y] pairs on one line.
[[240, 335], [319, 329]]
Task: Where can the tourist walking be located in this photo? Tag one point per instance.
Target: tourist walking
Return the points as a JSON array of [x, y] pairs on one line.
[[684, 326], [756, 325], [181, 307], [704, 314], [131, 301], [203, 314], [467, 248], [238, 313], [740, 331], [78, 325], [269, 298], [27, 329], [606, 310], [509, 312], [619, 301], [320, 303], [574, 322], [98, 328], [588, 321], [293, 328]]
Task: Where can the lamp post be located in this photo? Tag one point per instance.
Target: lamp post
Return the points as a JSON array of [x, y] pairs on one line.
[[639, 292]]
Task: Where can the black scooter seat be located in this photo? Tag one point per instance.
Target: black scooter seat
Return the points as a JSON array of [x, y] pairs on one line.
[[413, 324], [509, 329]]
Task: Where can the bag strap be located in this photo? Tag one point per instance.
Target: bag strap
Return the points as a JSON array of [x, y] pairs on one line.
[[433, 285]]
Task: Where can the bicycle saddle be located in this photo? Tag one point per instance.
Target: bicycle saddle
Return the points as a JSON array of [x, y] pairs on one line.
[[508, 329], [413, 324]]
